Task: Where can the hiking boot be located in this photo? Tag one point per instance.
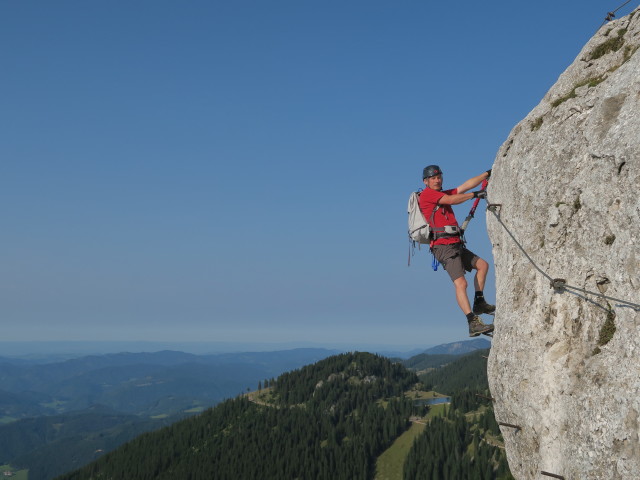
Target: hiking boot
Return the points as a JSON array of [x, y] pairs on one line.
[[480, 307], [477, 326]]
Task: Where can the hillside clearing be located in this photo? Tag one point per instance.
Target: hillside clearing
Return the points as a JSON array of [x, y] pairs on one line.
[[16, 474], [390, 463]]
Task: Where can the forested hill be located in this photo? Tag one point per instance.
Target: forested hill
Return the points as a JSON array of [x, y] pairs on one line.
[[326, 420]]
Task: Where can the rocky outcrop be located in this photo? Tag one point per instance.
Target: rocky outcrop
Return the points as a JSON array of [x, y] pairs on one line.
[[565, 361]]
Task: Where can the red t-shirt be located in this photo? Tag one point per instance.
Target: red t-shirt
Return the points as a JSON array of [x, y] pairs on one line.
[[443, 216]]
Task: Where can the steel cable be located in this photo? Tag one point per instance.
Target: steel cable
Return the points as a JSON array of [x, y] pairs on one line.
[[558, 284]]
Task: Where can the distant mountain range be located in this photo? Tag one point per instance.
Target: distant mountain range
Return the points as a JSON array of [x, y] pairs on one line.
[[152, 384], [460, 348], [50, 445], [442, 355], [147, 384], [60, 413]]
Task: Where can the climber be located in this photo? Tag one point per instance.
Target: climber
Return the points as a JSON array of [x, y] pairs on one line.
[[447, 245]]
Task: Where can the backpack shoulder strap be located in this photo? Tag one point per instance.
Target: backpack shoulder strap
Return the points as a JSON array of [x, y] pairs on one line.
[[433, 212]]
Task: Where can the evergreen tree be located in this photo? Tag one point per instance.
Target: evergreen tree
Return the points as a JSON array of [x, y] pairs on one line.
[[449, 449], [328, 421]]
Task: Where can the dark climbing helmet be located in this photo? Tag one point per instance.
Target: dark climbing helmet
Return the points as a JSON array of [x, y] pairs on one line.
[[431, 171]]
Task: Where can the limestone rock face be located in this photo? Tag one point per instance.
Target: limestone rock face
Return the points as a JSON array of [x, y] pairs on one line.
[[568, 179]]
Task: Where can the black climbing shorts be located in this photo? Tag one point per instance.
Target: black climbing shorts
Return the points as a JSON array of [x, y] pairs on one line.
[[455, 259]]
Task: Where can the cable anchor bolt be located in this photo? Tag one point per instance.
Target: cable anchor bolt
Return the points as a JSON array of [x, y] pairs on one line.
[[558, 284], [553, 475], [510, 425], [494, 207], [485, 397]]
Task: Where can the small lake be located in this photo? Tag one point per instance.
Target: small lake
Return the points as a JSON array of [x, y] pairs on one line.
[[432, 401]]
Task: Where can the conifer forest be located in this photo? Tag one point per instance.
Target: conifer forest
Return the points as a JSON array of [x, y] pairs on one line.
[[329, 420]]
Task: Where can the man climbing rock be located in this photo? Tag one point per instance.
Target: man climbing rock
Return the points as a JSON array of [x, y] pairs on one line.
[[447, 245]]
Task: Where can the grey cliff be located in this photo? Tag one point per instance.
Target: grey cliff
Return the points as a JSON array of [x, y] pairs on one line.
[[565, 362]]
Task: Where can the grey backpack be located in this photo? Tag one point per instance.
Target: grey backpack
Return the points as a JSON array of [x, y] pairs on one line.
[[419, 231]]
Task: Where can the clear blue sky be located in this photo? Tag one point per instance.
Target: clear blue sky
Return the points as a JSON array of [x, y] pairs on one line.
[[239, 170]]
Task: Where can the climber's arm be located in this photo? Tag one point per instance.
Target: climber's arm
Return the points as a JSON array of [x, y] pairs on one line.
[[472, 183], [455, 199]]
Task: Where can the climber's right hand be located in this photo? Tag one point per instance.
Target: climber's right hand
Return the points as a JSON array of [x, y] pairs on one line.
[[480, 194]]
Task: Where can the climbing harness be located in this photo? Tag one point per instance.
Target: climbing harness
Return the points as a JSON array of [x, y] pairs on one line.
[[436, 233]]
